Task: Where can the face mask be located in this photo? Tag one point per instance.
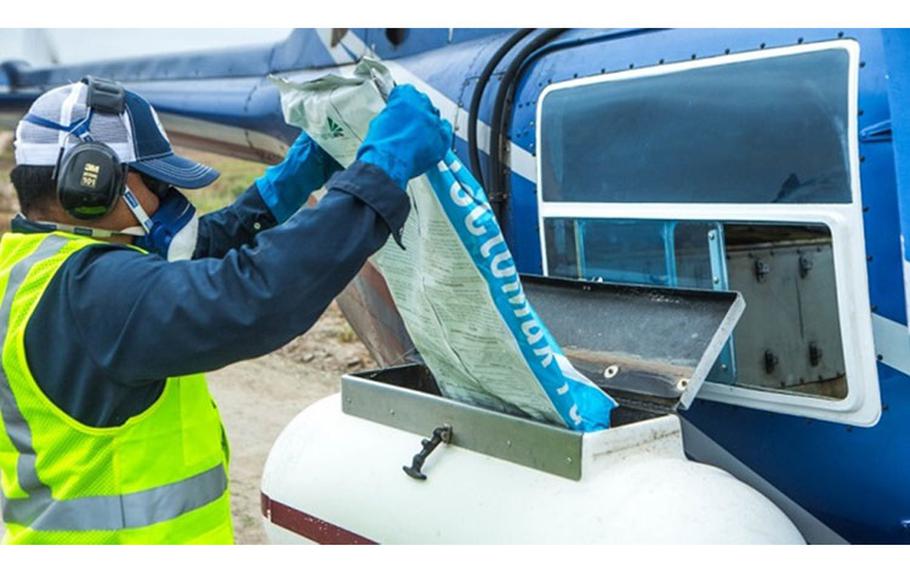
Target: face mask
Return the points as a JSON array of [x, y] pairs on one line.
[[171, 232]]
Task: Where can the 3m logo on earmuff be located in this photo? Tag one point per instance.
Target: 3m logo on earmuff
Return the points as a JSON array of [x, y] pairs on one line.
[[90, 175]]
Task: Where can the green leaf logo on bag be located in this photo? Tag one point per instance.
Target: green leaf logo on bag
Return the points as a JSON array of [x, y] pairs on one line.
[[335, 129]]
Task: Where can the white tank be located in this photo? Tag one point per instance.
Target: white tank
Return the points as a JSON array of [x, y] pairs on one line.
[[335, 476]]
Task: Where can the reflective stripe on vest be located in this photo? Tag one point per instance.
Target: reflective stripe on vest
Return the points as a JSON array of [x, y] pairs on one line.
[[132, 510], [40, 511]]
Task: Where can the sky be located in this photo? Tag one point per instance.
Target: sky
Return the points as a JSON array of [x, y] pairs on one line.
[[41, 46]]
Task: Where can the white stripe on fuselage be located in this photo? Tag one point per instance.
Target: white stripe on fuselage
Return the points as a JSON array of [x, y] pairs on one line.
[[892, 343]]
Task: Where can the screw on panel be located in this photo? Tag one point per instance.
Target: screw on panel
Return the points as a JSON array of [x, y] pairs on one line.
[[611, 371], [815, 354], [771, 361], [805, 265], [761, 269]]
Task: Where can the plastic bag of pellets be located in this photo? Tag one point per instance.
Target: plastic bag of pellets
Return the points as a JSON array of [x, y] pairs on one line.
[[455, 285]]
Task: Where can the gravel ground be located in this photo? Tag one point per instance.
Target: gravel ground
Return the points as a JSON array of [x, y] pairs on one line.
[[257, 398]]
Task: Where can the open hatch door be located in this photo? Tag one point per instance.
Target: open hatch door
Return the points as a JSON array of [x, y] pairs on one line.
[[649, 347]]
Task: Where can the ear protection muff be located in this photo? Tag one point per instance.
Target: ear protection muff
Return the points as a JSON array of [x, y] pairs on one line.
[[90, 177]]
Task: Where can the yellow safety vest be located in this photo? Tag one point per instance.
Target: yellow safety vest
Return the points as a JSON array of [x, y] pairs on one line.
[[158, 478]]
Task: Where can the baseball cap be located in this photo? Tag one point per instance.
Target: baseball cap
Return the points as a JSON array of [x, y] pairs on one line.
[[136, 135]]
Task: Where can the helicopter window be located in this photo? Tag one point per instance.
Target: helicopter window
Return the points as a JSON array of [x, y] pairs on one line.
[[768, 130], [788, 339], [630, 164]]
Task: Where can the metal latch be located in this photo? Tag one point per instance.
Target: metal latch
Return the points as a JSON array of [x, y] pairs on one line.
[[441, 435]]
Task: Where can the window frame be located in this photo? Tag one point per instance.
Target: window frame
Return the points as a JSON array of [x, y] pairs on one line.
[[862, 405]]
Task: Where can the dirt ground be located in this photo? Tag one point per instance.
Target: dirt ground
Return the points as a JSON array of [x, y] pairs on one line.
[[257, 398]]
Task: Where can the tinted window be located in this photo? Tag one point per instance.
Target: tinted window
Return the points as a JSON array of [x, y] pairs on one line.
[[765, 131], [658, 253]]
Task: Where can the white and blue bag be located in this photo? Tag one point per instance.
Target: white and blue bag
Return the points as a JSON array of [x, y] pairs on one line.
[[455, 284]]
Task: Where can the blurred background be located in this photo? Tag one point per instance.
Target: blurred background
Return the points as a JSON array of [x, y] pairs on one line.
[[49, 46]]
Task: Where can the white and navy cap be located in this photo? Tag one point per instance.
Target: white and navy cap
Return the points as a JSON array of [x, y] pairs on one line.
[[136, 135]]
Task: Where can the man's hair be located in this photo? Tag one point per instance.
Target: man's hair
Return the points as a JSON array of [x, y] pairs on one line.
[[35, 188]]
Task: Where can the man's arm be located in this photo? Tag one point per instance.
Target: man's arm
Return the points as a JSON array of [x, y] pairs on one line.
[[140, 319], [233, 226], [272, 199]]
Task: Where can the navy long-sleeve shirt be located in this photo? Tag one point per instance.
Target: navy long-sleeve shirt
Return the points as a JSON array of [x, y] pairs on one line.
[[114, 323]]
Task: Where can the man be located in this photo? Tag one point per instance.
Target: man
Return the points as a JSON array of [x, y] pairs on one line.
[[108, 432]]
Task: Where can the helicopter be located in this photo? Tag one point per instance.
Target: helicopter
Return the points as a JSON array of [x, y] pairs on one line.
[[771, 162]]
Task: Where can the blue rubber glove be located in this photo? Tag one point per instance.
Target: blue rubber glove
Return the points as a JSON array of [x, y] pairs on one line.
[[286, 186], [407, 138]]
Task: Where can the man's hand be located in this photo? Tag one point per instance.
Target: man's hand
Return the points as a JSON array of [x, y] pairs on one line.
[[285, 186], [407, 138]]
